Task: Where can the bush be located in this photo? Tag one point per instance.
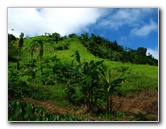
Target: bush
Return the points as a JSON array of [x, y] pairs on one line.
[[25, 111]]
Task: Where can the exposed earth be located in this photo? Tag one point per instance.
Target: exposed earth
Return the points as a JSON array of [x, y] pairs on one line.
[[144, 103]]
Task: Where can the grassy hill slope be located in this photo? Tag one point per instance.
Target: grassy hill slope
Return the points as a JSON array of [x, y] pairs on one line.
[[138, 76], [65, 55]]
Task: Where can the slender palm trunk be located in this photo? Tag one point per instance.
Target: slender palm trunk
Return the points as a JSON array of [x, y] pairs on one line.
[[68, 91], [31, 52], [95, 104], [40, 56], [109, 104], [90, 104]]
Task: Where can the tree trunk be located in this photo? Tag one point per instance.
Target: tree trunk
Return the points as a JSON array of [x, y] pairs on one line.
[[95, 104], [89, 101], [31, 52], [41, 53], [109, 104]]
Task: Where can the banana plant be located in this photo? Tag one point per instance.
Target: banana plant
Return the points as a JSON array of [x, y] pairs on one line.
[[78, 59], [90, 83], [32, 44], [109, 86], [89, 72]]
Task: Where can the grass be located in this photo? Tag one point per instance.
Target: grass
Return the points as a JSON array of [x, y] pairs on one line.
[[65, 56], [139, 76]]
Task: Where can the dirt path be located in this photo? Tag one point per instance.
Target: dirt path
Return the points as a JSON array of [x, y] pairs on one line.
[[51, 107], [145, 102], [48, 105]]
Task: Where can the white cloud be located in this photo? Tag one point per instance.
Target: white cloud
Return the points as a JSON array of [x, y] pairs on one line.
[[122, 40], [126, 16], [145, 30], [34, 21], [153, 52]]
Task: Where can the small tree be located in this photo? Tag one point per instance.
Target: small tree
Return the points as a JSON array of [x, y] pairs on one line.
[[89, 72], [57, 36], [91, 83], [73, 35], [21, 41], [20, 44], [40, 53], [40, 49], [109, 87], [12, 49], [32, 44]]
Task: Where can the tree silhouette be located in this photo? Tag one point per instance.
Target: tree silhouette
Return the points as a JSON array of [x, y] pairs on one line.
[[21, 41]]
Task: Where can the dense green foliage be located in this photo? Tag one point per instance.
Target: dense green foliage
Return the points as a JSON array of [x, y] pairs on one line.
[[25, 111], [111, 50], [61, 69]]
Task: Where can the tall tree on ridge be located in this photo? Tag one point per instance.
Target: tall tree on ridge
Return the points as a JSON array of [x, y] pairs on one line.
[[21, 41]]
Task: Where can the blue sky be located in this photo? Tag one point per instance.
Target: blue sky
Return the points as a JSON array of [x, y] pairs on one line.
[[130, 27]]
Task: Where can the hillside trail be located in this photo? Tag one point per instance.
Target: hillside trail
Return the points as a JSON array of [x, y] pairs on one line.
[[145, 102], [51, 107]]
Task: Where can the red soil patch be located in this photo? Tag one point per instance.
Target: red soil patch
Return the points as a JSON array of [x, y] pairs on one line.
[[145, 102], [48, 105], [51, 107]]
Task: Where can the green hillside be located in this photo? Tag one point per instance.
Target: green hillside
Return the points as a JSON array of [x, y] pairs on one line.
[[147, 70], [147, 75], [64, 72]]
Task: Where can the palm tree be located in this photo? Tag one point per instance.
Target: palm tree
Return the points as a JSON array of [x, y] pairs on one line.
[[32, 44], [40, 49], [21, 41]]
